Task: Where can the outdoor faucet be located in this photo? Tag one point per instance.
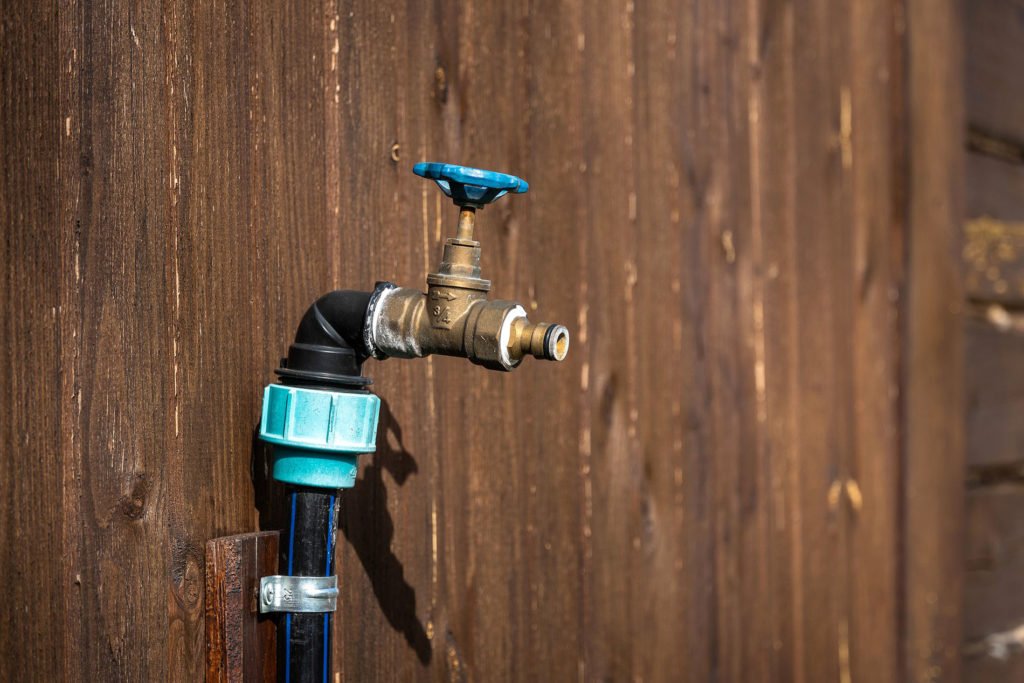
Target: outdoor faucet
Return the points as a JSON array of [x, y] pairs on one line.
[[454, 317], [321, 416]]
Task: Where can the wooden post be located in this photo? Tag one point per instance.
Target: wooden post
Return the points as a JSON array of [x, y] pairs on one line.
[[240, 644]]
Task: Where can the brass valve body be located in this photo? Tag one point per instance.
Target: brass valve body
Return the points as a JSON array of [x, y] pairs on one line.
[[454, 317]]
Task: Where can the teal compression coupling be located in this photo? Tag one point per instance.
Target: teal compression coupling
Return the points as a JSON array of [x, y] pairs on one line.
[[317, 434]]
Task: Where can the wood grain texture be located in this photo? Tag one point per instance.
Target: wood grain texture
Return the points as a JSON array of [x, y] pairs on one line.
[[742, 210], [241, 645], [932, 369], [31, 480]]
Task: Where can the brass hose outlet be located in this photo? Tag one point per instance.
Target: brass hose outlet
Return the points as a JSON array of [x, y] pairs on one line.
[[454, 317]]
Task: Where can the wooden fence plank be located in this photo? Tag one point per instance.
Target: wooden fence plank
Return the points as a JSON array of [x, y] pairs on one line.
[[932, 387], [872, 495], [32, 506], [120, 390]]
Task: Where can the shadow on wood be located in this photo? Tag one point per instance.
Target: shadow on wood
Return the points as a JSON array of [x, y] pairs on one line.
[[365, 521], [368, 526]]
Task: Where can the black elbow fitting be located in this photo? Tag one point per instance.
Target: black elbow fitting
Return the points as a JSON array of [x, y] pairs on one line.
[[329, 349]]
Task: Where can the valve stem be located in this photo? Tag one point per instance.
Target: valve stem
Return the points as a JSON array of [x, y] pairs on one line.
[[467, 218]]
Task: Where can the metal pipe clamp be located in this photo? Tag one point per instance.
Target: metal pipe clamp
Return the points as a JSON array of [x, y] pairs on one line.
[[298, 594]]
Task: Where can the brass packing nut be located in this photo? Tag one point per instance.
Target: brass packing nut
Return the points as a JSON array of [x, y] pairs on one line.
[[488, 332]]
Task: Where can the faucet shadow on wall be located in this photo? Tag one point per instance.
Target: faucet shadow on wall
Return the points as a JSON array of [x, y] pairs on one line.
[[364, 520], [366, 523]]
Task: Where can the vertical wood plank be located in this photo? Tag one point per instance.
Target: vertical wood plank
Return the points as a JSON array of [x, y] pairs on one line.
[[775, 108], [32, 505], [613, 470], [543, 241], [932, 383], [69, 170], [872, 149], [117, 388]]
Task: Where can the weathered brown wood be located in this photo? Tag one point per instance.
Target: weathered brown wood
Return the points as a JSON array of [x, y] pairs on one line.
[[994, 188], [32, 484], [240, 643], [876, 153], [744, 471], [115, 170], [993, 250], [995, 60], [995, 561], [985, 669], [995, 396], [994, 270], [932, 369], [994, 602]]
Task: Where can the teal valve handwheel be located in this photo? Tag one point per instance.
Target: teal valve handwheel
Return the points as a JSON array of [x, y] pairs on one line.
[[470, 187]]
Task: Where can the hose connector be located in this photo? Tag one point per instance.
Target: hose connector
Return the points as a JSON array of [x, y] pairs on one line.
[[541, 340]]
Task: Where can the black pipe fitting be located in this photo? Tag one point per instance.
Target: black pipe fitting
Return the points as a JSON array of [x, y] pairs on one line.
[[329, 349]]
